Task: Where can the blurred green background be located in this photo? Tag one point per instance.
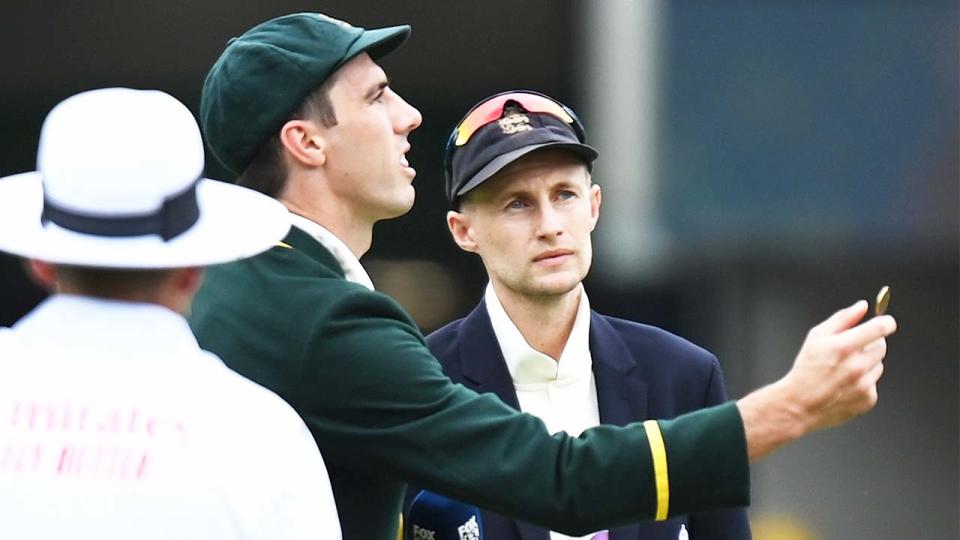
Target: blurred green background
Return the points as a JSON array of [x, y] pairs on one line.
[[762, 163]]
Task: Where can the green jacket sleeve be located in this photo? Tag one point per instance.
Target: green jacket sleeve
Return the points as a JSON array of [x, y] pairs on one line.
[[375, 398]]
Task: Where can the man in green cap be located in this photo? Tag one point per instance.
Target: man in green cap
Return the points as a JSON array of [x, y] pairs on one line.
[[298, 108]]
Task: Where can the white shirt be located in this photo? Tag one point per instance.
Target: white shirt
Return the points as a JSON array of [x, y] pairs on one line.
[[563, 394], [349, 263], [115, 424]]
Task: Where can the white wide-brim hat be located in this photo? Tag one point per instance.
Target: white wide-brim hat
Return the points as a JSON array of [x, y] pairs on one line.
[[118, 185]]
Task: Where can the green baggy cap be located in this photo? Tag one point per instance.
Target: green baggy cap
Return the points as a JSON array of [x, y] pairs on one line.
[[265, 74]]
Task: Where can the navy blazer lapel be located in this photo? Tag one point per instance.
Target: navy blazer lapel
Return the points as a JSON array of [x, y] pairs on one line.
[[621, 390], [484, 369]]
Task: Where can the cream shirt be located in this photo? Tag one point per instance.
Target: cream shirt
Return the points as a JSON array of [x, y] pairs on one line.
[[115, 424], [349, 263], [563, 394]]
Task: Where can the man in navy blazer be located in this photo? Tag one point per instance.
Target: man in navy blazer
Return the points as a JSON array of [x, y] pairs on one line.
[[527, 206]]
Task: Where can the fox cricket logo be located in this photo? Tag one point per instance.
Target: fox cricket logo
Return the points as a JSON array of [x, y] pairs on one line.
[[514, 122], [419, 533], [469, 530]]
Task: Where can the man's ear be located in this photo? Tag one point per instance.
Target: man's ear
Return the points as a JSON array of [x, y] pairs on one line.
[[304, 142], [42, 273], [459, 225], [187, 280], [595, 198], [179, 287]]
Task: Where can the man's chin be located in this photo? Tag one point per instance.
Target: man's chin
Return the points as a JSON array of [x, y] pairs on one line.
[[400, 207], [554, 286]]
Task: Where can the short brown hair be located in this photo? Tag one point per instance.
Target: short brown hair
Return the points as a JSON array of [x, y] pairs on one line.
[[267, 173], [113, 283]]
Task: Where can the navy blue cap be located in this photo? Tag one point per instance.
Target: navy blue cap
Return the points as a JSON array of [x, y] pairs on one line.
[[515, 134]]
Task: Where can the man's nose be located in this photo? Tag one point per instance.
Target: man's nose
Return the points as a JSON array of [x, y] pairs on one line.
[[408, 117], [551, 223]]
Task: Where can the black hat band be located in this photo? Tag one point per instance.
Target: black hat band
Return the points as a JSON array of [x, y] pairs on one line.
[[177, 214]]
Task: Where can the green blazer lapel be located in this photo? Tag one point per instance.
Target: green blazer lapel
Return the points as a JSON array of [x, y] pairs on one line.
[[300, 241]]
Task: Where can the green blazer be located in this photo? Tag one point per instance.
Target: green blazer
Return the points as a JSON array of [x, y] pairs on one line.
[[356, 368]]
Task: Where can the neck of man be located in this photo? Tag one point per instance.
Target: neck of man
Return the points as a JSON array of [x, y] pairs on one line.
[[312, 201], [175, 293], [544, 321]]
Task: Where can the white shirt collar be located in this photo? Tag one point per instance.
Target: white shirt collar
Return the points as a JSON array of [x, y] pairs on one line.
[[68, 320], [529, 366], [349, 263]]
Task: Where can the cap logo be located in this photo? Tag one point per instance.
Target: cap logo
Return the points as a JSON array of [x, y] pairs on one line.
[[342, 24], [514, 122]]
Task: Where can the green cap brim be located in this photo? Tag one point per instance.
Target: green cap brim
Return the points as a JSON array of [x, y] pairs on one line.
[[377, 42]]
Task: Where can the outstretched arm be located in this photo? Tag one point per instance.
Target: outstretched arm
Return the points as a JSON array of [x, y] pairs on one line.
[[833, 380]]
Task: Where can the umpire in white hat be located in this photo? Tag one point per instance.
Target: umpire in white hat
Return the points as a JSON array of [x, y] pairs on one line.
[[113, 422]]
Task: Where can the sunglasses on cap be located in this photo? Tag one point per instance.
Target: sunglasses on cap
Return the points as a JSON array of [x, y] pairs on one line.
[[492, 109]]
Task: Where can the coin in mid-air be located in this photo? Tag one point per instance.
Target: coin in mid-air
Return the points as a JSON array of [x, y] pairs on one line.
[[883, 299]]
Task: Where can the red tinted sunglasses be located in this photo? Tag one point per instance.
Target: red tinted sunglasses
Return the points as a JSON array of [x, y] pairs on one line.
[[491, 110]]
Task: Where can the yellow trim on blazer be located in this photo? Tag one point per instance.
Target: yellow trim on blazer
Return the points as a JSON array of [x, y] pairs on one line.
[[659, 453]]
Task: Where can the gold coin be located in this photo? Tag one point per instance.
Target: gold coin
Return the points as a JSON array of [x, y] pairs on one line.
[[883, 299]]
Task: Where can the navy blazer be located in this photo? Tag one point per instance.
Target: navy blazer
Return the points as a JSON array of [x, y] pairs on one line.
[[641, 372]]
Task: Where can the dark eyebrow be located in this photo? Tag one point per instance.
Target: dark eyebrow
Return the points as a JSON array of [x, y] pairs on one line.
[[377, 89]]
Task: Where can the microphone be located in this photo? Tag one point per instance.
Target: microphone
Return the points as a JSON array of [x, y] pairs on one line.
[[435, 517]]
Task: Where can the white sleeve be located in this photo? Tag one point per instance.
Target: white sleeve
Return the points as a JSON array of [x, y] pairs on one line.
[[309, 504], [287, 478]]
